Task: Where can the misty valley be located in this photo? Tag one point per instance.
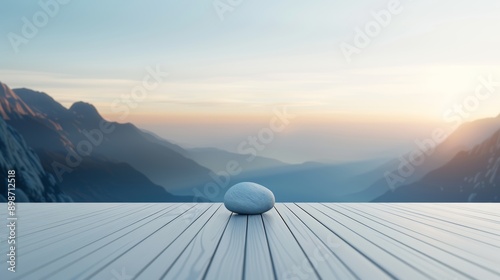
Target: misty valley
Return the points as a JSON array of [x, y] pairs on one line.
[[76, 155]]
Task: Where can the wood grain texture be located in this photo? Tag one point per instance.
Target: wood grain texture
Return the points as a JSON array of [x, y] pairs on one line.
[[92, 246], [230, 251], [290, 262], [258, 262], [292, 241], [450, 249], [456, 219], [200, 250], [416, 258], [346, 252], [377, 247], [193, 248], [321, 257], [463, 231]]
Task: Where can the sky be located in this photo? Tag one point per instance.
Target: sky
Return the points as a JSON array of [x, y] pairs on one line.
[[230, 67]]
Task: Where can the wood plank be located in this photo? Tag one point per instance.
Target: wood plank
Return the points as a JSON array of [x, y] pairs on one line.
[[483, 208], [56, 235], [438, 217], [328, 265], [349, 254], [48, 217], [474, 215], [41, 211], [205, 241], [258, 263], [42, 234], [444, 216], [433, 249], [288, 258], [413, 256], [58, 257], [228, 261], [30, 221], [101, 263], [193, 249], [147, 242], [477, 252], [375, 246], [453, 229]]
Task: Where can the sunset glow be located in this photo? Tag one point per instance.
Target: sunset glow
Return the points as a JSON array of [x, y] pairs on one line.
[[226, 76]]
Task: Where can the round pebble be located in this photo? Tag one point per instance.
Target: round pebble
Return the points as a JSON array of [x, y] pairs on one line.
[[249, 199]]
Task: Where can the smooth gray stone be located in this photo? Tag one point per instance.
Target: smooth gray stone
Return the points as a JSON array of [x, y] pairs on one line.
[[249, 199]]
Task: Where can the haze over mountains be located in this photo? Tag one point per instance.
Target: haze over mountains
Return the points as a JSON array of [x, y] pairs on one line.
[[76, 155], [472, 175], [401, 172], [77, 147]]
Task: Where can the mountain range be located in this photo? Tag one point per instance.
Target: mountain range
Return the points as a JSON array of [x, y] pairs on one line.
[[472, 176], [89, 158], [435, 179], [74, 154], [31, 183]]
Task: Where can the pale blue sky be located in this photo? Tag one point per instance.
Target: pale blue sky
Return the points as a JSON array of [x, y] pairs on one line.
[[263, 53]]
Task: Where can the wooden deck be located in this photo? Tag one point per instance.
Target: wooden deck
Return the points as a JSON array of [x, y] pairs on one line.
[[292, 241]]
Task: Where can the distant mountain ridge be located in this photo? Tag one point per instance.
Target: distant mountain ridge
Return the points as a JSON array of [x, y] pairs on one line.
[[108, 172], [160, 162], [464, 138], [77, 155], [217, 159], [11, 106], [471, 176]]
